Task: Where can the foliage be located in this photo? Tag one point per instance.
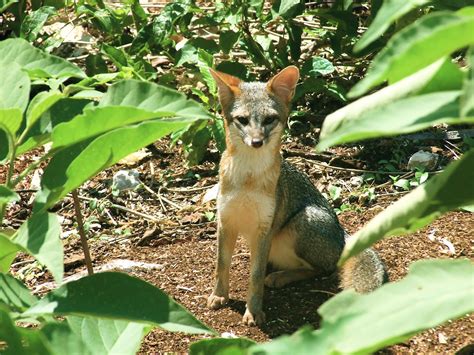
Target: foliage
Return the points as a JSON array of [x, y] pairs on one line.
[[94, 117], [86, 138]]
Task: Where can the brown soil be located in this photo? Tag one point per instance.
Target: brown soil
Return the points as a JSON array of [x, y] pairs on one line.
[[184, 242]]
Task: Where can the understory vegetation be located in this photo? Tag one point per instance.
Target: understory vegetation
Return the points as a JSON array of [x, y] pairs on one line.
[[87, 83]]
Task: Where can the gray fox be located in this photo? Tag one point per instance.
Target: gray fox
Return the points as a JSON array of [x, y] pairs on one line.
[[283, 217]]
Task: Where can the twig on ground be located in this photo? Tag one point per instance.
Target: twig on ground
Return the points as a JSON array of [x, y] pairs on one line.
[[160, 197]]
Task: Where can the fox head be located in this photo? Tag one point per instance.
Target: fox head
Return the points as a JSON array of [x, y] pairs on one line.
[[256, 113]]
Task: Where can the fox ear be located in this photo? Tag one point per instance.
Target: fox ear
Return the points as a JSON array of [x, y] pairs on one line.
[[228, 87], [283, 84]]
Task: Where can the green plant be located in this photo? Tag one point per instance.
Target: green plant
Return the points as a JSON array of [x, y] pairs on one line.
[[426, 87], [86, 137]]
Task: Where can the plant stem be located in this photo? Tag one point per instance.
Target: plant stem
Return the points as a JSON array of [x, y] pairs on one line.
[[82, 233], [30, 167]]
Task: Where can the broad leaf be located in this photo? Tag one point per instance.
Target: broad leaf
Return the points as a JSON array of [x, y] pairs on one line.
[[8, 251], [387, 14], [402, 116], [433, 292], [61, 111], [109, 336], [70, 167], [221, 346], [152, 97], [120, 296], [7, 195], [34, 22], [440, 194], [40, 104], [467, 99], [14, 86], [14, 294], [35, 61], [442, 75], [39, 236], [412, 48], [287, 8], [52, 339]]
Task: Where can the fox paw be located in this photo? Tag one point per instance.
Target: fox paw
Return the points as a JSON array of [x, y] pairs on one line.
[[215, 302], [253, 319], [276, 280]]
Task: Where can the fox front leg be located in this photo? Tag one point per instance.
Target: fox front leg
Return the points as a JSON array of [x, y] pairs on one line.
[[225, 246], [259, 251]]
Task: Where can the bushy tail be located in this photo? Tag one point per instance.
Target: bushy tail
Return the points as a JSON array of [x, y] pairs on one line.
[[364, 272]]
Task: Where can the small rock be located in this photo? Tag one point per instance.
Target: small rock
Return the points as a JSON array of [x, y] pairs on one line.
[[125, 180], [356, 181], [423, 160]]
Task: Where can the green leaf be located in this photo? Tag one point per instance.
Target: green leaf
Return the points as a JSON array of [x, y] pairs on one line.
[[227, 40], [14, 86], [40, 104], [72, 166], [442, 75], [317, 66], [8, 251], [7, 195], [14, 294], [387, 14], [59, 339], [153, 98], [442, 193], [433, 292], [61, 111], [412, 48], [233, 68], [121, 297], [4, 4], [467, 99], [39, 236], [97, 121], [402, 116], [108, 336], [35, 61], [221, 346], [287, 8], [34, 22]]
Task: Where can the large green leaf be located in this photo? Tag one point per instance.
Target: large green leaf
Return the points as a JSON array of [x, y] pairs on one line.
[[467, 99], [118, 296], [152, 97], [109, 336], [61, 111], [39, 236], [35, 61], [8, 251], [7, 195], [402, 116], [34, 22], [442, 193], [14, 86], [40, 104], [125, 103], [221, 346], [418, 45], [389, 12], [70, 167], [14, 294], [433, 292], [52, 339], [442, 75]]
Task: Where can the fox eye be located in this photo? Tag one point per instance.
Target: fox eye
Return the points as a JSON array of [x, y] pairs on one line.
[[270, 119], [243, 120]]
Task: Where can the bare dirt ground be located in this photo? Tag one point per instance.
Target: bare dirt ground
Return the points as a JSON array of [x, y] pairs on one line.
[[184, 241]]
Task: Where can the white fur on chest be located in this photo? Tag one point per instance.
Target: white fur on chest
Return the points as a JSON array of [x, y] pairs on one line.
[[247, 207]]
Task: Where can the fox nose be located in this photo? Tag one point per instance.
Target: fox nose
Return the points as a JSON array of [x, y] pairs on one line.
[[257, 143]]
